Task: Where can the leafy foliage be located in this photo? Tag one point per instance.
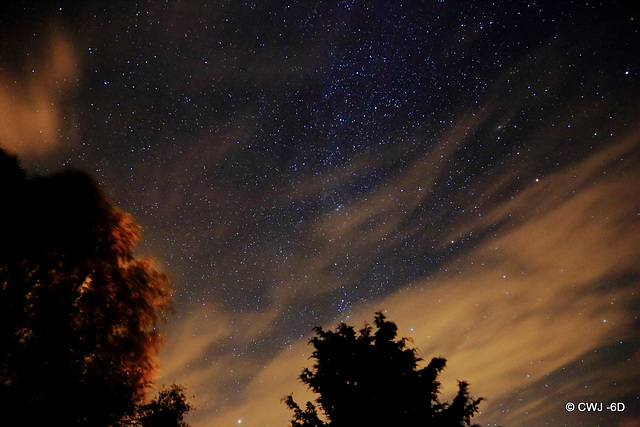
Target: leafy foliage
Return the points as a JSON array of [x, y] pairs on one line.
[[79, 313], [373, 379], [167, 410]]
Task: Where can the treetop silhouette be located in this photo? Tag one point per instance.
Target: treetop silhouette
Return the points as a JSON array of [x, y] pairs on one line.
[[371, 378], [79, 312]]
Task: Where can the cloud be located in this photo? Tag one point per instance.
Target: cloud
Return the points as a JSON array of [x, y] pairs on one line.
[[519, 311], [32, 124], [537, 308]]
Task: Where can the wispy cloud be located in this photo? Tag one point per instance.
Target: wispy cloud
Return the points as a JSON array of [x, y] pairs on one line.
[[32, 123], [556, 284]]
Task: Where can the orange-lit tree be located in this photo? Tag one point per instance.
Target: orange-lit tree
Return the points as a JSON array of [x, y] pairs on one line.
[[79, 313], [373, 379]]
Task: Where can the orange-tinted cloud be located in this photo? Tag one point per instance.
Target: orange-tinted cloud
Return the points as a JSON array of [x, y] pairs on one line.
[[32, 122], [510, 313]]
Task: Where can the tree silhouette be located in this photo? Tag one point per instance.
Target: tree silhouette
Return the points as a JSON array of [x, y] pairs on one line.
[[79, 313], [166, 410], [373, 379]]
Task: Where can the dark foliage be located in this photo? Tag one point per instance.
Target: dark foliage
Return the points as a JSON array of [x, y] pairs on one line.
[[373, 379], [78, 311], [167, 410]]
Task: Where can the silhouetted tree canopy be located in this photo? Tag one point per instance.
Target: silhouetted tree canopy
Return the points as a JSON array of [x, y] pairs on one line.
[[166, 410], [371, 378], [79, 313]]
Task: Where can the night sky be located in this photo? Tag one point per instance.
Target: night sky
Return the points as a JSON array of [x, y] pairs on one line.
[[471, 168]]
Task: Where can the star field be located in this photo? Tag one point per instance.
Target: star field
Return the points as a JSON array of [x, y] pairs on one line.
[[471, 168]]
